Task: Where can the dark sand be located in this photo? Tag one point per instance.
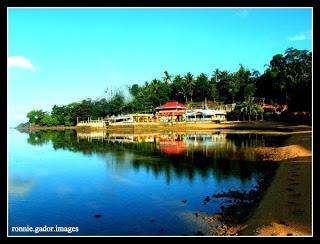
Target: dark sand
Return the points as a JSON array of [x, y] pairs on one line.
[[286, 207]]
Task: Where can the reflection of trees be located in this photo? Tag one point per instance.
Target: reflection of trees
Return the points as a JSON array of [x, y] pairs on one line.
[[36, 138], [222, 160], [245, 140]]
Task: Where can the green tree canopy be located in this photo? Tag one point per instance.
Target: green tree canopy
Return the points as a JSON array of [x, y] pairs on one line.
[[286, 80]]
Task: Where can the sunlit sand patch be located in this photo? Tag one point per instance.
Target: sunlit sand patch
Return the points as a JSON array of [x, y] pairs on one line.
[[281, 153], [279, 229], [197, 221]]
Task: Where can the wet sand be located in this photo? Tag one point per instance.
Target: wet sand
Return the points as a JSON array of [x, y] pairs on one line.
[[286, 207]]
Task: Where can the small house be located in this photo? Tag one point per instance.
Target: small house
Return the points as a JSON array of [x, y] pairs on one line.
[[171, 112]]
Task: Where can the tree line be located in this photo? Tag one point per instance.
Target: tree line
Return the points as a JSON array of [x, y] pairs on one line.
[[286, 80]]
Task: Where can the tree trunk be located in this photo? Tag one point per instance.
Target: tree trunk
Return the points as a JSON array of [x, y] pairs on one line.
[[249, 117]]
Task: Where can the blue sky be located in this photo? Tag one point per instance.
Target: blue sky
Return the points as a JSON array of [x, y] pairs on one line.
[[61, 55]]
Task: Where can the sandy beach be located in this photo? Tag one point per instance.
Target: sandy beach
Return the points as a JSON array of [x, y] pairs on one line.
[[286, 207], [257, 126]]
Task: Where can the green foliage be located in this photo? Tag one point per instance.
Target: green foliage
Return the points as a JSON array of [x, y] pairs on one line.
[[249, 107], [287, 80], [115, 105], [180, 89], [35, 116], [49, 120], [202, 88]]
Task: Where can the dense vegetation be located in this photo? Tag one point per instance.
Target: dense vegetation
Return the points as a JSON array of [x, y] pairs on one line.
[[286, 80]]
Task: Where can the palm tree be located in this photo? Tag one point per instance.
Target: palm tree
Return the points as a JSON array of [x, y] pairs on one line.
[[216, 75], [249, 107], [167, 77], [259, 110], [190, 82], [181, 86]]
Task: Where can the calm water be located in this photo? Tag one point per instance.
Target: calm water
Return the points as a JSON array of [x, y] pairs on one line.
[[136, 183]]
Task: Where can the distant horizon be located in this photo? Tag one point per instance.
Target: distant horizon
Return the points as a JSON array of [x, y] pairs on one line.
[[59, 56]]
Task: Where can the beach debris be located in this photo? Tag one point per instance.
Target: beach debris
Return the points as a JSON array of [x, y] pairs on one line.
[[231, 217], [282, 222], [207, 199], [228, 230], [196, 214], [293, 184], [298, 211], [236, 195], [212, 218], [294, 195]]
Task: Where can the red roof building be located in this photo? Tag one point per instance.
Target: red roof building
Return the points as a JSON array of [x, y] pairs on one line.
[[172, 105], [171, 109]]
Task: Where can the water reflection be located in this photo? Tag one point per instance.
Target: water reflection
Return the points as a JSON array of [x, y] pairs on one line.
[[19, 186], [68, 177], [173, 154]]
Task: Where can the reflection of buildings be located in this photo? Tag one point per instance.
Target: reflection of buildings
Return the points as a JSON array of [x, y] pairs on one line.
[[184, 154], [215, 144], [172, 144], [94, 135]]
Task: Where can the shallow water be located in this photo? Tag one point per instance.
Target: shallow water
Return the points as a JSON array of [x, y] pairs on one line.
[[135, 182]]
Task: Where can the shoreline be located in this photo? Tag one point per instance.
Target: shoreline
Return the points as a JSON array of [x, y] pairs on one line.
[[286, 206], [255, 126]]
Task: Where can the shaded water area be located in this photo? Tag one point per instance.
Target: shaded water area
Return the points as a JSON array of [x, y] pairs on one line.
[[122, 184]]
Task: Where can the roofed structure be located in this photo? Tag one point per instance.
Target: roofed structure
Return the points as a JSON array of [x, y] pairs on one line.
[[171, 105]]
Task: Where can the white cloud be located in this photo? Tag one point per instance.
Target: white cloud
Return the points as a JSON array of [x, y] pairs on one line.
[[20, 62], [242, 13], [300, 37]]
